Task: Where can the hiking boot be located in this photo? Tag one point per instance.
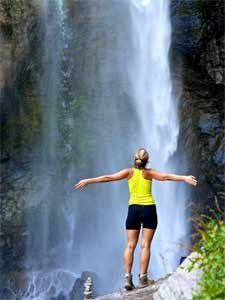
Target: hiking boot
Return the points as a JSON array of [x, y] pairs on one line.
[[128, 283], [143, 280]]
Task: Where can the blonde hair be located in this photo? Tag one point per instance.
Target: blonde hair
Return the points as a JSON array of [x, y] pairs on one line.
[[141, 158]]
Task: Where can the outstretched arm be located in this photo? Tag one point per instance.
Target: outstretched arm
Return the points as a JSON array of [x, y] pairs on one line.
[[104, 178], [154, 174]]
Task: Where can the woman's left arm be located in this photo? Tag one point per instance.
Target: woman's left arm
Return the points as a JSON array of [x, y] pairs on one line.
[[104, 178]]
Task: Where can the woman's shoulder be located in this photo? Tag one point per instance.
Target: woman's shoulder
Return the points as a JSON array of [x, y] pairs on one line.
[[147, 173], [131, 172], [149, 170]]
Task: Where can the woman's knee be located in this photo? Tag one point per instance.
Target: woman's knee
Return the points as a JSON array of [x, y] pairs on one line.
[[146, 246], [131, 246]]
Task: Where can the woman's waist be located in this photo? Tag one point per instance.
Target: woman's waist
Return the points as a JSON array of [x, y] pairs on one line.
[[149, 199], [141, 195], [138, 205]]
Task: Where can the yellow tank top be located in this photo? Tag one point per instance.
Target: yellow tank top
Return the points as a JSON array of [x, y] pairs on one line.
[[140, 189]]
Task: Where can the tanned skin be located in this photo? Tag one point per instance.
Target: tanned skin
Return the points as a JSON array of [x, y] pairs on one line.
[[133, 234]]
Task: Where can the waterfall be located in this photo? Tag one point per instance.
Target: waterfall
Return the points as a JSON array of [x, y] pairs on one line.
[[48, 249], [158, 126], [104, 92]]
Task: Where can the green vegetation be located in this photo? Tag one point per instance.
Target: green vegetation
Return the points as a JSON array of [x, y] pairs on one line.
[[22, 128], [76, 130], [183, 9], [212, 260]]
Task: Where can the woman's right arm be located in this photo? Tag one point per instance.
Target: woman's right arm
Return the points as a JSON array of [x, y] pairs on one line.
[[154, 174]]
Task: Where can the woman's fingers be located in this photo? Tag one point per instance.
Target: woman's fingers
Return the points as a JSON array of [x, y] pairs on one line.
[[80, 185], [193, 181]]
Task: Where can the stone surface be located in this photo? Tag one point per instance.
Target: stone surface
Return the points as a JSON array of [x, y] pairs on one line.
[[182, 284], [179, 285], [202, 128], [198, 77], [17, 30], [137, 294]]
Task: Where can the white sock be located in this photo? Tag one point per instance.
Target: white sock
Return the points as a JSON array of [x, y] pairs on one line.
[[141, 275]]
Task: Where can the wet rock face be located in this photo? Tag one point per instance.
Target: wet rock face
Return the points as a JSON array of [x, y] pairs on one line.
[[6, 43], [17, 30], [212, 43], [186, 26], [19, 37], [214, 59], [202, 106], [202, 133]]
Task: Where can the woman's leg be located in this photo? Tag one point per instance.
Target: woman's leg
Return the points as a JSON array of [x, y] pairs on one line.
[[132, 239], [147, 236]]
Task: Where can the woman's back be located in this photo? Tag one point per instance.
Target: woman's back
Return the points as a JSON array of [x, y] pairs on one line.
[[140, 189]]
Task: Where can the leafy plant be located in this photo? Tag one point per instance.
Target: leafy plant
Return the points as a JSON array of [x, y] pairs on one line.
[[211, 248]]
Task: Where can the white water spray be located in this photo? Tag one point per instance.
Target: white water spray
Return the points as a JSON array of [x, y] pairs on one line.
[[158, 126], [90, 235]]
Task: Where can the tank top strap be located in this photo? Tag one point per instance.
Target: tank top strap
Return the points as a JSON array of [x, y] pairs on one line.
[[138, 173]]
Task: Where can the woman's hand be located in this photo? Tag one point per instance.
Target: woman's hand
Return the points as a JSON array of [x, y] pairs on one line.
[[190, 180], [81, 184]]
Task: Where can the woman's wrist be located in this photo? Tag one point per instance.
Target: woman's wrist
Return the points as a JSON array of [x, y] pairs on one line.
[[185, 178], [175, 177]]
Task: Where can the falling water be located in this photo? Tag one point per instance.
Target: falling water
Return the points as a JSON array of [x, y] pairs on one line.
[[158, 126], [70, 232], [49, 243], [119, 82]]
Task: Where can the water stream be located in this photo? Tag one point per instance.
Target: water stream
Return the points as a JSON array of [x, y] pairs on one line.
[[159, 126], [104, 93]]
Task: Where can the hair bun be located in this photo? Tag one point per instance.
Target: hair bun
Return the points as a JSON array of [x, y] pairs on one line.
[[138, 161], [141, 158]]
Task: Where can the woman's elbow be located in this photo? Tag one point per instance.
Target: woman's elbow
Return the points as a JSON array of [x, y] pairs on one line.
[[108, 178], [163, 177]]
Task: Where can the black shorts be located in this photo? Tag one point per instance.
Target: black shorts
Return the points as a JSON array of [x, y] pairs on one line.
[[145, 214]]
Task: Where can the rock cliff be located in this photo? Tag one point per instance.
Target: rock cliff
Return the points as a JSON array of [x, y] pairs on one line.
[[197, 54]]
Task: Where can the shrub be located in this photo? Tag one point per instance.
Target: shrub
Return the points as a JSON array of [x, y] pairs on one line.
[[212, 258]]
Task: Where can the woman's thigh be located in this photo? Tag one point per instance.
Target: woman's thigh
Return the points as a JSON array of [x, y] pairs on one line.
[[147, 236], [132, 237]]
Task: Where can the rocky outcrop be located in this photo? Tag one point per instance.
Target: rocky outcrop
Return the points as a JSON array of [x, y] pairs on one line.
[[45, 284], [212, 43], [198, 58], [18, 20], [20, 120], [181, 284], [202, 133], [213, 59], [137, 294]]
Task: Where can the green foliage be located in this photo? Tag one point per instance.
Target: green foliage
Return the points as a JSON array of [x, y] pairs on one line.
[[198, 7], [198, 10], [22, 129], [212, 258], [183, 9], [76, 130]]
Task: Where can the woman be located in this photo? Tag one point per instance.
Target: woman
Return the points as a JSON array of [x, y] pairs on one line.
[[141, 210]]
